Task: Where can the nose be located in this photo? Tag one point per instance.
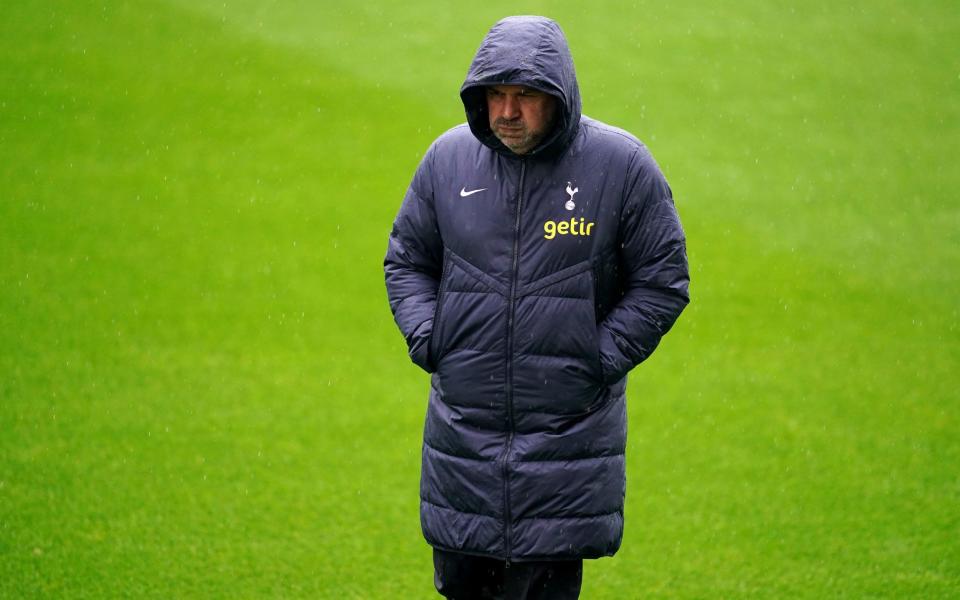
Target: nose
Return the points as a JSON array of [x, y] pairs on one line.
[[510, 108]]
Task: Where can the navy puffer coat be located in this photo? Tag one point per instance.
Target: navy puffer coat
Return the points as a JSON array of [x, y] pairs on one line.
[[529, 286]]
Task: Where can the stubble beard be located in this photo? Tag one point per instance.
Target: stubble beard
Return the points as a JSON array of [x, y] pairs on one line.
[[518, 138]]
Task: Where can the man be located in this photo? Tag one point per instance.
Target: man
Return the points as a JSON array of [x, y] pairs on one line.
[[536, 259]]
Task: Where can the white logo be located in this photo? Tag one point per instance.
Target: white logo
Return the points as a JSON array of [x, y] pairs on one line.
[[570, 205], [464, 193]]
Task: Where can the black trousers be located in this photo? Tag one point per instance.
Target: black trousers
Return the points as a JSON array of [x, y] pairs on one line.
[[465, 577]]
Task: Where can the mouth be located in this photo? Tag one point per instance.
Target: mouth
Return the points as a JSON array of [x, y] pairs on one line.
[[509, 126], [509, 131]]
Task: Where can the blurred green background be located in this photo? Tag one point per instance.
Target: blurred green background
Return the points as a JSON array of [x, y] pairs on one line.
[[202, 391]]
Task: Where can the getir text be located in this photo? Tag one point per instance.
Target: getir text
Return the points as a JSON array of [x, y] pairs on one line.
[[573, 227]]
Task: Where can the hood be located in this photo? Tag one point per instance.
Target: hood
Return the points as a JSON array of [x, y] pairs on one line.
[[529, 51]]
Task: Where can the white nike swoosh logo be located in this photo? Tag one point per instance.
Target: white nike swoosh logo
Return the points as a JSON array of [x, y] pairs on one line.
[[464, 193]]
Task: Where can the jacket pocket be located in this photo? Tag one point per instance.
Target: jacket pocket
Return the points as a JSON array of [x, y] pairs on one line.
[[588, 327], [433, 348], [597, 364]]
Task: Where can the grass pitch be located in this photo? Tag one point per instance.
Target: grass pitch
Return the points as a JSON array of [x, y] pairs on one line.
[[202, 393]]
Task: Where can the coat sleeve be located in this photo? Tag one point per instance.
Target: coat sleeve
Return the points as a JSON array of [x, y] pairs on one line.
[[412, 265], [655, 276]]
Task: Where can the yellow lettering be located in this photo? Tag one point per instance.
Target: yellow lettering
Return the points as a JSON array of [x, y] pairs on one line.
[[550, 228]]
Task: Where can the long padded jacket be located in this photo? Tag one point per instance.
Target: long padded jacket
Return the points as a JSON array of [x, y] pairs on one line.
[[529, 286]]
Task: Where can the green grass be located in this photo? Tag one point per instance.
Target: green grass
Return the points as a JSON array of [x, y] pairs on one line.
[[202, 392]]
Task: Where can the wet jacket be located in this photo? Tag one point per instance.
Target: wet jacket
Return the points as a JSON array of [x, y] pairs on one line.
[[529, 286]]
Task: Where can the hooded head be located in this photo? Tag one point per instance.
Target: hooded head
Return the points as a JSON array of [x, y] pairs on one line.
[[531, 52]]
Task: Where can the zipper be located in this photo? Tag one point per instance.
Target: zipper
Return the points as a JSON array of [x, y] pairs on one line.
[[511, 307]]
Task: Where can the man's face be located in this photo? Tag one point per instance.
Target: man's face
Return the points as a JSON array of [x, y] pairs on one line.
[[520, 117]]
